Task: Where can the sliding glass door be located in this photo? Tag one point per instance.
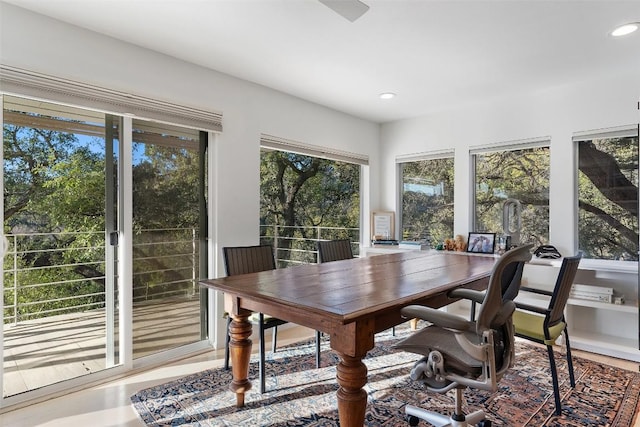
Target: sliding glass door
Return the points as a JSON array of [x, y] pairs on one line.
[[58, 273], [63, 181], [168, 238]]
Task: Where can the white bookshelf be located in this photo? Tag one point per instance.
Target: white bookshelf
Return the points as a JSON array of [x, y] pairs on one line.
[[598, 327]]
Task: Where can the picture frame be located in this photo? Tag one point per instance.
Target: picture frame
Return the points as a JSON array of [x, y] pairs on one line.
[[382, 225], [481, 243]]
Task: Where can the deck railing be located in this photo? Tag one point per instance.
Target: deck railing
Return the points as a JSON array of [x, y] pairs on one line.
[[47, 274], [299, 245]]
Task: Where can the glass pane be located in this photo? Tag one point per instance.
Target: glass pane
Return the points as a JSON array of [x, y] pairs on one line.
[[57, 324], [166, 249], [304, 199], [522, 175], [608, 198], [427, 200]]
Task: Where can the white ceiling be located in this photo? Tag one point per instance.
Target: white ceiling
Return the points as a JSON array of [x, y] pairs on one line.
[[435, 55]]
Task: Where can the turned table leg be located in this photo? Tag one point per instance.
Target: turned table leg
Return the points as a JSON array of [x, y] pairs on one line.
[[240, 349], [352, 399]]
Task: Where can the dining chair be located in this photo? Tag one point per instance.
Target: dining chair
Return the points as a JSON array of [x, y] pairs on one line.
[[253, 259], [460, 353], [544, 325], [334, 250]]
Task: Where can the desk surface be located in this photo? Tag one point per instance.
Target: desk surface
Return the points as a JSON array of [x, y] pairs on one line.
[[350, 300], [345, 291]]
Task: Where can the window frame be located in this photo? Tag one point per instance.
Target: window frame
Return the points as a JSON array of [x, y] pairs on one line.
[[524, 144], [418, 157], [632, 130], [276, 143]]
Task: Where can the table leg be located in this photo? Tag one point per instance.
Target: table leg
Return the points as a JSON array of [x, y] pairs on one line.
[[240, 349], [352, 399]]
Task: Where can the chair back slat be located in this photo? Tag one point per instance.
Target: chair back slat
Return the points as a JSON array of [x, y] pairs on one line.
[[334, 250], [562, 289], [248, 259]]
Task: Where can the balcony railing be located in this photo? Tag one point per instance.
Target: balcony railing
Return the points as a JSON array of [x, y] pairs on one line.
[[47, 274], [298, 245]]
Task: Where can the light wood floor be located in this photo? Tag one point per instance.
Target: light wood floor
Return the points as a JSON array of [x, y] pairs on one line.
[[54, 349], [108, 405]]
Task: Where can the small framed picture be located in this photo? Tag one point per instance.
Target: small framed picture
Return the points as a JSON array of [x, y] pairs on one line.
[[382, 225], [481, 243]]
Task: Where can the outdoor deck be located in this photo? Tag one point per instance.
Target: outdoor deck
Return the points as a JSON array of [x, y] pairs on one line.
[[46, 351]]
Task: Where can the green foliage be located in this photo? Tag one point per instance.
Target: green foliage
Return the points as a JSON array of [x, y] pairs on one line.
[[516, 174], [608, 198], [300, 192], [55, 211]]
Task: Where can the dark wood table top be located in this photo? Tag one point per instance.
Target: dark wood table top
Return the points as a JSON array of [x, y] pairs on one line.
[[349, 290]]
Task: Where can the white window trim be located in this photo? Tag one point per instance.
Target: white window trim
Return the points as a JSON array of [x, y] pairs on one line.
[[282, 144], [29, 84], [427, 155], [613, 132], [521, 144]]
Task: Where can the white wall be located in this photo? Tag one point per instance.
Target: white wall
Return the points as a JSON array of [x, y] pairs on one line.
[[555, 112]]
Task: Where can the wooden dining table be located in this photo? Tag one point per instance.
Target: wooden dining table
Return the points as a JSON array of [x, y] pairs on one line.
[[349, 300]]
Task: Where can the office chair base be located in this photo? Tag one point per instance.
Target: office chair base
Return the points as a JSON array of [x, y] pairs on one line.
[[415, 414]]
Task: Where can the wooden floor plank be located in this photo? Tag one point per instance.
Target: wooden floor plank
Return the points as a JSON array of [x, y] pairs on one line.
[[46, 351]]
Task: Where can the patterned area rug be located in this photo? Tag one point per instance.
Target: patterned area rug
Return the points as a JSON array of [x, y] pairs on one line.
[[300, 395]]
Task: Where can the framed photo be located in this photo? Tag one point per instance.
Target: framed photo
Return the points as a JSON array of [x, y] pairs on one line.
[[382, 225], [481, 243]]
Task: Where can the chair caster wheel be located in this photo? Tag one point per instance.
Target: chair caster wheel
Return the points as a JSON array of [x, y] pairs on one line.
[[484, 423], [413, 421]]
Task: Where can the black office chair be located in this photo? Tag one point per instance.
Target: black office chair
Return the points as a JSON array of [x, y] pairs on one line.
[[252, 259], [544, 325], [461, 353]]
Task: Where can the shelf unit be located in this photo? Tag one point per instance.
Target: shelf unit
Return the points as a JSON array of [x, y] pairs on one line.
[[597, 327]]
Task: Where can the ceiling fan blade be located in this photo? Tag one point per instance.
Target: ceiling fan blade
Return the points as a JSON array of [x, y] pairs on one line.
[[350, 9]]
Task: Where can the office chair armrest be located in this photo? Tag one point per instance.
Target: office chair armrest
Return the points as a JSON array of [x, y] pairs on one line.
[[469, 294], [536, 291], [437, 317], [533, 308]]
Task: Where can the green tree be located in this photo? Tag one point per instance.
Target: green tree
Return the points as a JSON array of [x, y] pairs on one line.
[[165, 212], [608, 198], [299, 192], [50, 186], [516, 174]]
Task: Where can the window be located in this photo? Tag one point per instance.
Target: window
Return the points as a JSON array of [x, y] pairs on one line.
[[520, 173], [305, 198], [608, 195], [427, 199]]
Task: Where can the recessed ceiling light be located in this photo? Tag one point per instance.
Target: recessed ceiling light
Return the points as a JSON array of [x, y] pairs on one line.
[[387, 95], [625, 29]]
